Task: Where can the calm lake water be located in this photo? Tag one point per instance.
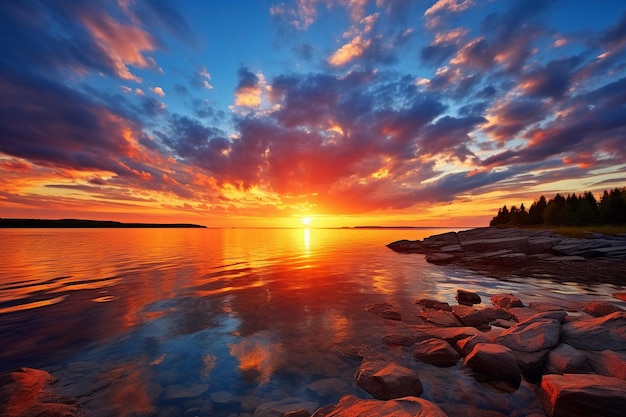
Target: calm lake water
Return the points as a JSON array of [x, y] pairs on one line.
[[222, 321]]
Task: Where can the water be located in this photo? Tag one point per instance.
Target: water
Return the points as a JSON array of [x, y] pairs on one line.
[[222, 321]]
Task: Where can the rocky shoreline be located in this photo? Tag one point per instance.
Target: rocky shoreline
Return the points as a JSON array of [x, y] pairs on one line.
[[555, 359], [511, 251], [570, 361]]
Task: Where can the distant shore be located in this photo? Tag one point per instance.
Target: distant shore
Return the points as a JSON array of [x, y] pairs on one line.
[[87, 224]]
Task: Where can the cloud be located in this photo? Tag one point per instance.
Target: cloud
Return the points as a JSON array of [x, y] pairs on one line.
[[158, 91], [248, 91], [449, 6], [349, 51], [124, 44]]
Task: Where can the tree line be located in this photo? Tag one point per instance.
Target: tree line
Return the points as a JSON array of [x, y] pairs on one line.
[[573, 210]]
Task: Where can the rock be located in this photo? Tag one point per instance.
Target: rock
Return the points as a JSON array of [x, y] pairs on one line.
[[557, 315], [506, 301], [515, 244], [620, 295], [479, 318], [576, 395], [440, 258], [601, 333], [401, 339], [565, 359], [449, 334], [328, 386], [28, 392], [565, 259], [505, 324], [465, 410], [185, 391], [385, 380], [608, 363], [298, 413], [437, 305], [440, 317], [467, 298], [436, 352], [351, 406], [491, 362], [384, 310], [531, 364], [531, 336], [465, 346], [279, 408], [600, 308]]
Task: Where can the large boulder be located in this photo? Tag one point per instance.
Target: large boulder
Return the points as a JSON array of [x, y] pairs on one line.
[[577, 395], [608, 363], [531, 336], [436, 352], [351, 406], [385, 380], [491, 362], [28, 392], [565, 359], [600, 333]]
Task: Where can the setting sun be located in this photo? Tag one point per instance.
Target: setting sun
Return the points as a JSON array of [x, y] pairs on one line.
[[306, 221]]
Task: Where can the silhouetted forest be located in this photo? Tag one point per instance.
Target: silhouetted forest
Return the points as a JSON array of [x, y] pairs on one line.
[[573, 210]]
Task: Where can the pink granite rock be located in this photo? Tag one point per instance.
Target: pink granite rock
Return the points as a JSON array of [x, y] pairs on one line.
[[386, 380], [491, 362], [436, 352], [351, 406], [583, 395]]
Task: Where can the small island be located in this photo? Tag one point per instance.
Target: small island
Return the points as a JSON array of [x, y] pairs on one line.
[[84, 224]]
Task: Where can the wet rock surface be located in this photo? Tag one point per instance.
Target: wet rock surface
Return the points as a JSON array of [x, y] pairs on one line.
[[495, 251]]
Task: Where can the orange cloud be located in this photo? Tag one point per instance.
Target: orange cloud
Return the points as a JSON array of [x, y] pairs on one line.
[[349, 51], [450, 6], [124, 44], [249, 96], [158, 91]]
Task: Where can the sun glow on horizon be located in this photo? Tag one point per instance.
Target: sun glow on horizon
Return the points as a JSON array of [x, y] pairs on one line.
[[306, 221]]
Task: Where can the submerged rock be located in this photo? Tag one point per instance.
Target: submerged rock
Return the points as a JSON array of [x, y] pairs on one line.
[[28, 392], [351, 406], [385, 310]]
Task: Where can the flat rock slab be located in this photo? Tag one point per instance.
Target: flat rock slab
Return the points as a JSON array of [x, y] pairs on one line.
[[578, 395], [351, 406], [506, 301]]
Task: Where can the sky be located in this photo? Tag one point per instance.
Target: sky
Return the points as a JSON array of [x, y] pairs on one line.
[[344, 112]]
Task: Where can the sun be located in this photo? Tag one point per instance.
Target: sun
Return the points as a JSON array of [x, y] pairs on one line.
[[306, 221]]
